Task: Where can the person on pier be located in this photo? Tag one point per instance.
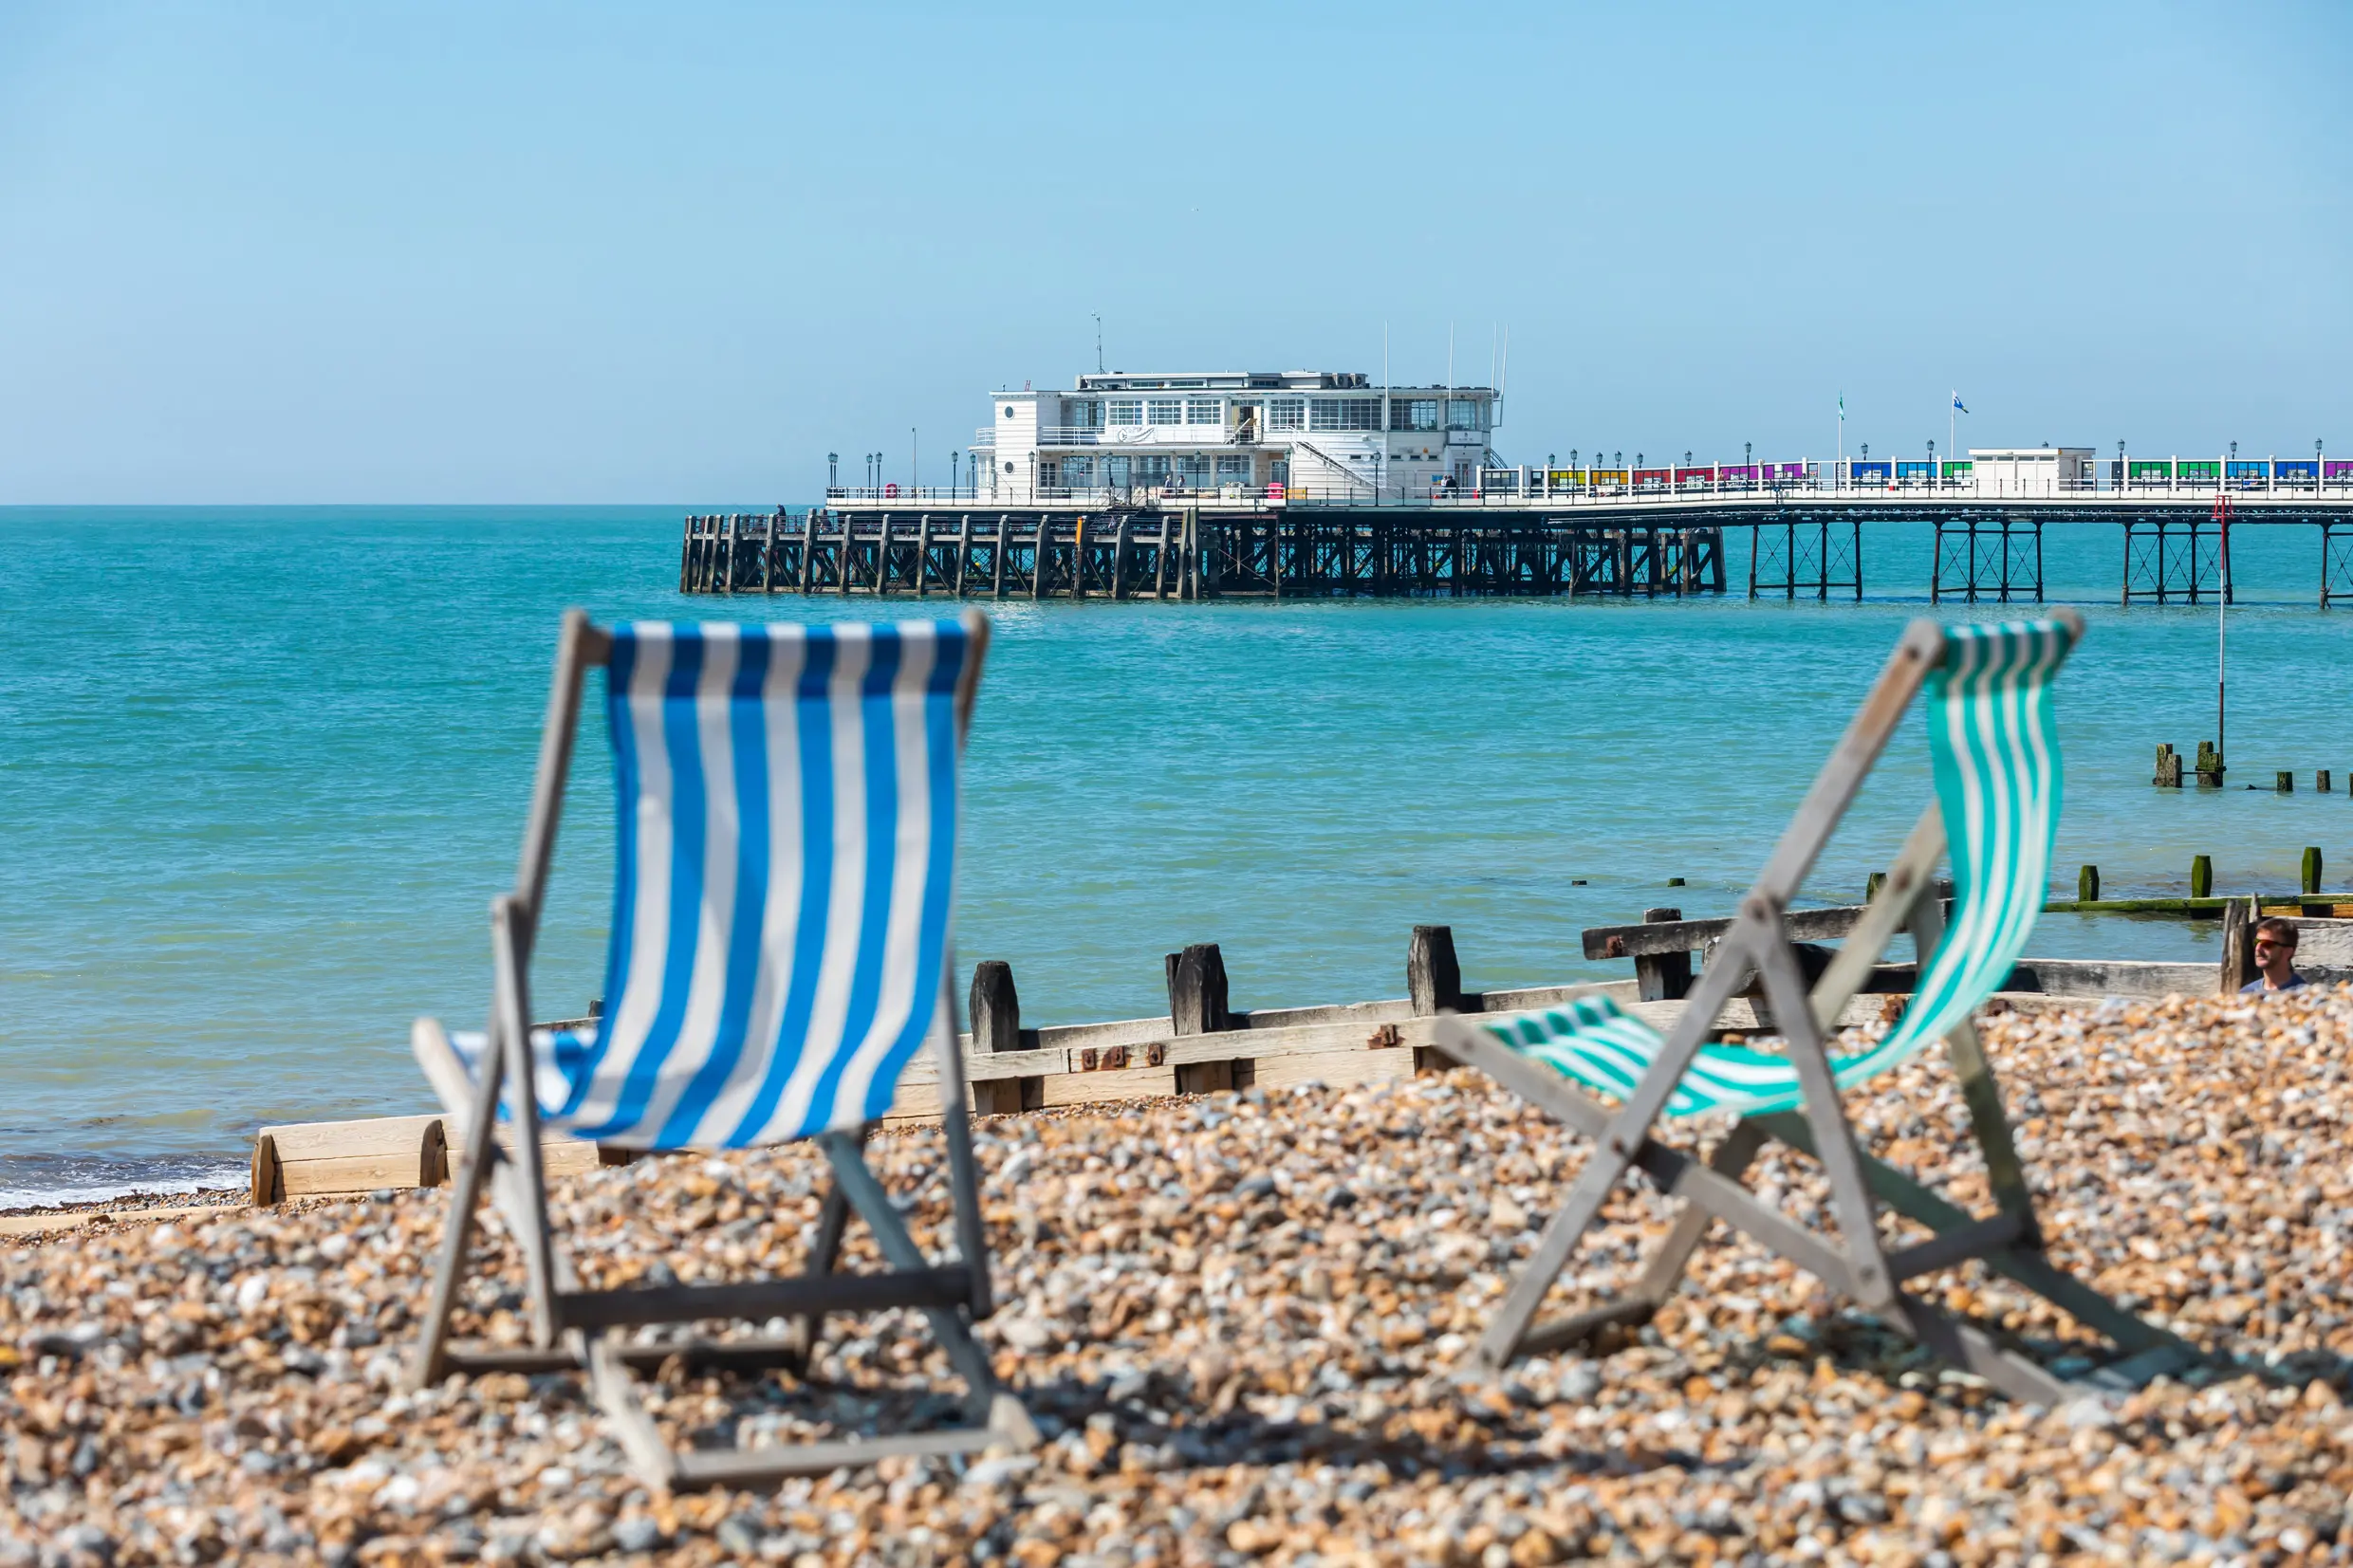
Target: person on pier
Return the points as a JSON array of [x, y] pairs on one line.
[[2275, 956]]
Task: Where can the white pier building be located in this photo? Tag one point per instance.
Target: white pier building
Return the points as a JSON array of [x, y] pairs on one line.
[[1234, 437]]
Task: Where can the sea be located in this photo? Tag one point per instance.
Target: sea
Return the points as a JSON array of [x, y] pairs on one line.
[[261, 770]]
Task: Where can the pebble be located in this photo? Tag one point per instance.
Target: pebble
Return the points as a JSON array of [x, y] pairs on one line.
[[1230, 1360]]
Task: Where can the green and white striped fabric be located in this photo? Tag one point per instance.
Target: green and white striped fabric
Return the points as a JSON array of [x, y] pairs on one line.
[[1994, 748]]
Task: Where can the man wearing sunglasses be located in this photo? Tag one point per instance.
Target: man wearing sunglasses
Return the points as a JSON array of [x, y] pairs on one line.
[[2275, 955]]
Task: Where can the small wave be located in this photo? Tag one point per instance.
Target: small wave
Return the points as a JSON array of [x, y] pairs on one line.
[[39, 1181]]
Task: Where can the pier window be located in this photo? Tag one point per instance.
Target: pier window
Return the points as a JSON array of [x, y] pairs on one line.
[[1201, 411], [1126, 411], [1164, 411], [1413, 414], [1463, 414], [1083, 414], [1152, 471], [1287, 414], [1233, 469], [1193, 470], [1344, 413], [1078, 472]]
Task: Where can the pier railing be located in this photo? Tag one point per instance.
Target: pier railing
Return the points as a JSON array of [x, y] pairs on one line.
[[2184, 480]]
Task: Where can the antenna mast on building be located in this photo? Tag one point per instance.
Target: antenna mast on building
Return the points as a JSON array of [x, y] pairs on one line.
[[1504, 379], [1099, 362]]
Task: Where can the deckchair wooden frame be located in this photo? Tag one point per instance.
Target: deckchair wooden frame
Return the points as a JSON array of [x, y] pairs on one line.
[[1855, 1264], [572, 1327]]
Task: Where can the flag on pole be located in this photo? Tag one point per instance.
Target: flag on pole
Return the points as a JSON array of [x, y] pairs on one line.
[[1841, 408], [1959, 404]]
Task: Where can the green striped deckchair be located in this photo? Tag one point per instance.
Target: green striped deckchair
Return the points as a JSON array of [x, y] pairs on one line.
[[1994, 746]]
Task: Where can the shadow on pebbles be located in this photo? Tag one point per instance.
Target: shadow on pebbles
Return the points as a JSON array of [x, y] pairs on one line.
[[1243, 1322]]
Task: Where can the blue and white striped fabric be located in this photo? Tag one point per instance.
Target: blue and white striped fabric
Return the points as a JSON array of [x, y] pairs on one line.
[[786, 871]]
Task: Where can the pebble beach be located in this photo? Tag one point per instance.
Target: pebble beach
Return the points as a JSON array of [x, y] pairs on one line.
[[1243, 1324]]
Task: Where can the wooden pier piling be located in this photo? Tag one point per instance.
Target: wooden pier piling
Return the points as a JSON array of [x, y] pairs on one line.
[[1171, 552]]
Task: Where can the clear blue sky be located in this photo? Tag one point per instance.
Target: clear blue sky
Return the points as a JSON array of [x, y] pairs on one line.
[[674, 253]]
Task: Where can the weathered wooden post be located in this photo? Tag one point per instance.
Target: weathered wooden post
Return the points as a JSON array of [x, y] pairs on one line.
[[2284, 781], [808, 548], [2238, 944], [2168, 767], [1196, 1005], [995, 1008], [2312, 870], [2320, 780], [1433, 974], [1197, 992], [1664, 976], [2210, 768], [2201, 876], [1872, 884], [2087, 884]]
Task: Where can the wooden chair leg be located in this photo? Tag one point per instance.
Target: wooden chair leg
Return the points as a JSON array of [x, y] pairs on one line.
[[832, 1220], [2022, 1265], [956, 1125], [2005, 1171], [1665, 1269], [1834, 1139], [873, 1204], [511, 1022], [480, 1149]]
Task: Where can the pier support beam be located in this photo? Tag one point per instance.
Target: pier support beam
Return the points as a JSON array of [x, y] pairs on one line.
[[2175, 560], [1806, 553], [2336, 563], [1998, 561]]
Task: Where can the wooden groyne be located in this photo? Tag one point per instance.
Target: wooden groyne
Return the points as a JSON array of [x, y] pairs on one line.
[[1204, 1043], [1181, 553]]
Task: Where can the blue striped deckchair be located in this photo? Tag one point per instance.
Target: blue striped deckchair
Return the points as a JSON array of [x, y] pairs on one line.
[[785, 875], [1994, 748]]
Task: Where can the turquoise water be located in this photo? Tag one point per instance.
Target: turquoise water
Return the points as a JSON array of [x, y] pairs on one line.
[[264, 770]]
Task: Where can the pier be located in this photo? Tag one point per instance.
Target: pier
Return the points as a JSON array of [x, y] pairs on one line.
[[1311, 484], [1195, 553], [1527, 538]]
